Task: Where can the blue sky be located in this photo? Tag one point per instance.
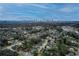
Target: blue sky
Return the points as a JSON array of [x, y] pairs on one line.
[[40, 11]]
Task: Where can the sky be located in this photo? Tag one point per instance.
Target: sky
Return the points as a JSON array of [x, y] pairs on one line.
[[39, 11]]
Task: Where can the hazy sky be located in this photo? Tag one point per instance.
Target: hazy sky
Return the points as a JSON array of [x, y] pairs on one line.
[[38, 11]]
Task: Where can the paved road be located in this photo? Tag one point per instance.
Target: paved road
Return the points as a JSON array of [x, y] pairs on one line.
[[42, 47], [10, 47]]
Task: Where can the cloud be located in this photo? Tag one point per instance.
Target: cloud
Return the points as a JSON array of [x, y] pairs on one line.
[[2, 11], [29, 11], [34, 8], [1, 7], [17, 17], [39, 5], [68, 9]]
